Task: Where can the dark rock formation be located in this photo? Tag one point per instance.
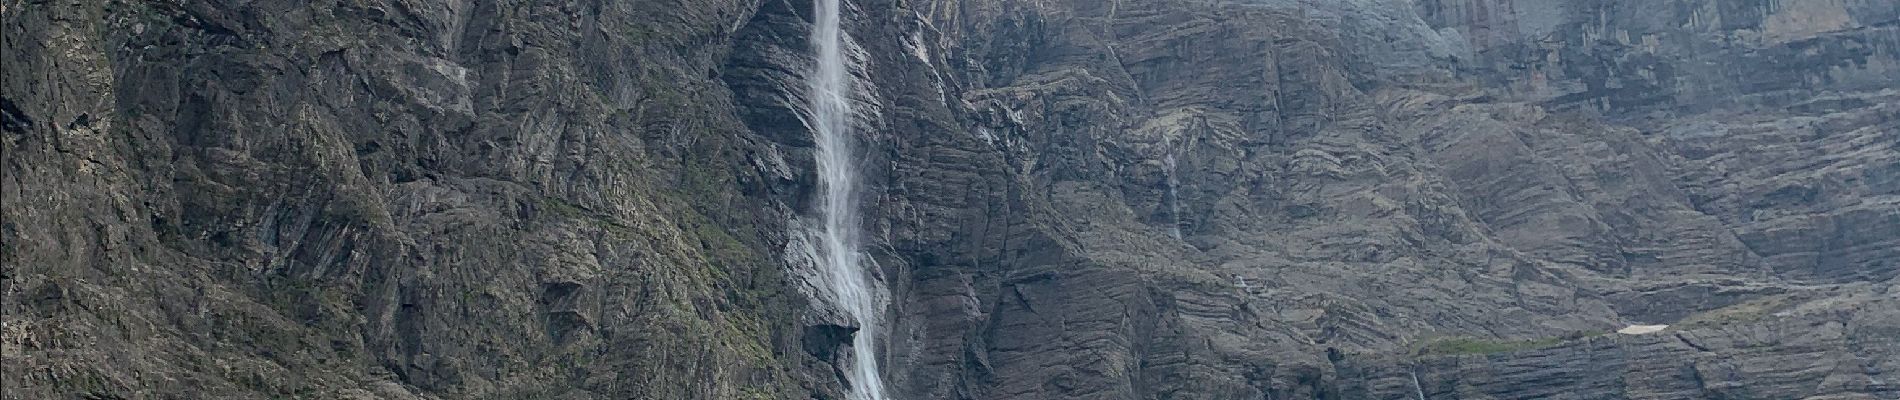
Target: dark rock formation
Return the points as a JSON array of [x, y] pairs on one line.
[[1069, 199], [388, 200]]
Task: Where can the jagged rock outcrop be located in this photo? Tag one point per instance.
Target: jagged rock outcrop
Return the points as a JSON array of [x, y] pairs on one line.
[[387, 199], [1068, 199]]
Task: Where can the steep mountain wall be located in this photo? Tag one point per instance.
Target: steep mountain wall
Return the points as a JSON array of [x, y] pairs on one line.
[[389, 199], [1067, 199]]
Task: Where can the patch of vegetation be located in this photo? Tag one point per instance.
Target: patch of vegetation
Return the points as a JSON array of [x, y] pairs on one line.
[[757, 393], [354, 211], [1461, 346], [566, 211], [1748, 311], [748, 338], [1478, 346], [562, 208]]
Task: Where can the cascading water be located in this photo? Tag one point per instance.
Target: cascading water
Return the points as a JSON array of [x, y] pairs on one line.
[[1174, 197], [1417, 388], [838, 257]]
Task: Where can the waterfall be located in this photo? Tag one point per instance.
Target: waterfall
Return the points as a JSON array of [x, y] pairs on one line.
[[1417, 387], [837, 252], [1174, 197]]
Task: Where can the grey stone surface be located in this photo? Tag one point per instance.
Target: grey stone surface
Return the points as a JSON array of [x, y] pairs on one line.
[[1068, 198]]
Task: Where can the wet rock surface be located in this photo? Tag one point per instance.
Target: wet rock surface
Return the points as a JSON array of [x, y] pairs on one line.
[[1068, 199]]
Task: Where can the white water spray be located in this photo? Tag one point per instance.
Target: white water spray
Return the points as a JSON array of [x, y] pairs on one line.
[[1174, 197], [837, 251], [1417, 388]]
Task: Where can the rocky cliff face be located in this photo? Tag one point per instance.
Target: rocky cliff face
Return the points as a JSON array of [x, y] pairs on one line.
[[1069, 199], [388, 200]]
